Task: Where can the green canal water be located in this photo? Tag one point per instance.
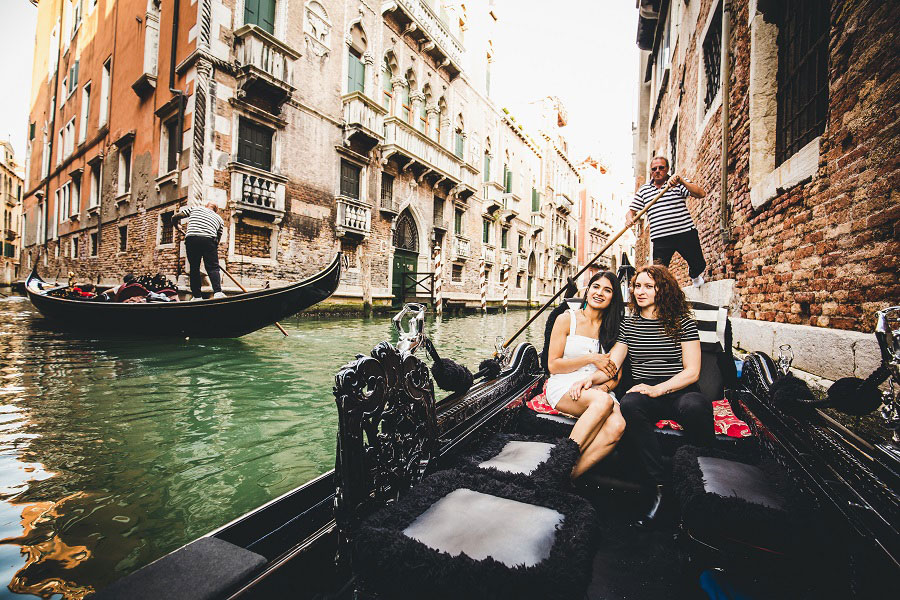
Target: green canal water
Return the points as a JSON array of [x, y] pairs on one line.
[[114, 452]]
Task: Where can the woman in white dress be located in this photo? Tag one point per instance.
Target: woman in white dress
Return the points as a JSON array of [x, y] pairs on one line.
[[579, 343]]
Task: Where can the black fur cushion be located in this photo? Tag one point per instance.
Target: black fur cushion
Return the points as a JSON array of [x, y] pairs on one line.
[[554, 472], [531, 423], [710, 517], [398, 567]]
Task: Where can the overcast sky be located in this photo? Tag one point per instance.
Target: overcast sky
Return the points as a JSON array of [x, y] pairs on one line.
[[580, 50], [583, 51]]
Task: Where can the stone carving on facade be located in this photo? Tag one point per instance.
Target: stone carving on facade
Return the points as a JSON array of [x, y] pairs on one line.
[[317, 29]]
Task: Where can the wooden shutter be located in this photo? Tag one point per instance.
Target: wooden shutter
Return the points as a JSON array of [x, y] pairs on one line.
[[254, 145], [356, 73], [260, 13], [350, 180]]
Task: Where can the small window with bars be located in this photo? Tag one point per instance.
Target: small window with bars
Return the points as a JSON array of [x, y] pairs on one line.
[[456, 274], [350, 179], [802, 96], [123, 238], [166, 228], [387, 190], [712, 58]]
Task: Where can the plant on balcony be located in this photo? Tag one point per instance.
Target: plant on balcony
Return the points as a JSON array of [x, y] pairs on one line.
[[566, 247]]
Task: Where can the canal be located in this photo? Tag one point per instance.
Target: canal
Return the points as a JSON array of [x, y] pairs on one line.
[[114, 452]]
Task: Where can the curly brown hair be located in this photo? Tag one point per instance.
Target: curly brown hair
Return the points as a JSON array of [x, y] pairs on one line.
[[671, 305]]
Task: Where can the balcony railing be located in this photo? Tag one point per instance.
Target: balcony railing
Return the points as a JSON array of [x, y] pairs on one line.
[[257, 191], [506, 258], [460, 248], [522, 262], [364, 117], [266, 64], [537, 222], [401, 137], [439, 222], [9, 198], [564, 252], [563, 203], [353, 217], [430, 29]]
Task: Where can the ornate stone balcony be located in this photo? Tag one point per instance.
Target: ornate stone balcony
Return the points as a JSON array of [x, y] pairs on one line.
[[420, 23], [363, 119], [537, 222], [9, 198], [564, 253], [354, 218], [522, 262], [402, 138], [460, 250], [265, 65], [506, 258], [563, 203], [256, 191]]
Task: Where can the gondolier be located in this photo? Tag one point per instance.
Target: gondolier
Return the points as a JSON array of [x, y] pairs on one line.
[[204, 231], [671, 226]]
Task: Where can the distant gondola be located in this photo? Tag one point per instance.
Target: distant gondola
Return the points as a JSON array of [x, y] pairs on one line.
[[225, 317]]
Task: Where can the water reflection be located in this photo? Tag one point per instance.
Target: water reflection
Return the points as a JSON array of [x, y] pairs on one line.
[[114, 452]]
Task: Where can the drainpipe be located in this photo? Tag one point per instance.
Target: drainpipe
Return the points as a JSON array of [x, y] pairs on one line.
[[726, 122], [180, 126]]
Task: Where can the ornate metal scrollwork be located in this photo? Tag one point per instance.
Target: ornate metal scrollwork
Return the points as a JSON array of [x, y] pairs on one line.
[[387, 432]]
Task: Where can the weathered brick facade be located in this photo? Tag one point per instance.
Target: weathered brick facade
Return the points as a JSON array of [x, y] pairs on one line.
[[822, 251]]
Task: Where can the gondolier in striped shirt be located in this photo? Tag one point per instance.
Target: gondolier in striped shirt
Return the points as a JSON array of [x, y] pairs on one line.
[[671, 226], [204, 231]]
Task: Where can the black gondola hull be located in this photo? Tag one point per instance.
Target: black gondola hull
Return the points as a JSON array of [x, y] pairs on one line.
[[214, 318]]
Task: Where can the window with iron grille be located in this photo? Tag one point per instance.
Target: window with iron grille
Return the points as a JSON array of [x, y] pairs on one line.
[[123, 238], [387, 190], [166, 228], [712, 57], [802, 76], [456, 273], [350, 179], [673, 145]]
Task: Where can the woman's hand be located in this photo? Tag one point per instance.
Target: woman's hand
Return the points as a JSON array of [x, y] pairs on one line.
[[654, 391], [603, 363], [578, 387]]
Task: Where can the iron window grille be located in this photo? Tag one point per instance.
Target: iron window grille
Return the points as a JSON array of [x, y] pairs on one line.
[[712, 53], [405, 235], [166, 230], [387, 190], [802, 95]]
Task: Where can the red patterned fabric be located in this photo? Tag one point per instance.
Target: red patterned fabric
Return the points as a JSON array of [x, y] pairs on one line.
[[724, 420]]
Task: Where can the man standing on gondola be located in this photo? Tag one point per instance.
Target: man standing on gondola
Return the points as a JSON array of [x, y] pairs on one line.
[[671, 226], [204, 231]]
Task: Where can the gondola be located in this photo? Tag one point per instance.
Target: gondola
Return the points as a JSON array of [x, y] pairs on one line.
[[395, 438], [213, 318]]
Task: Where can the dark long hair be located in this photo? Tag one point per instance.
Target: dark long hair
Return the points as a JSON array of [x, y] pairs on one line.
[[671, 304], [614, 313]]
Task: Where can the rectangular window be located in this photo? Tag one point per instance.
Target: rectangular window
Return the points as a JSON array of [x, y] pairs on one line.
[[94, 197], [487, 167], [64, 89], [521, 244], [407, 111], [350, 175], [486, 231], [70, 138], [45, 156], [123, 238], [76, 16], [170, 143], [387, 190], [125, 169], [260, 13], [387, 88], [254, 144], [73, 79], [166, 228], [94, 244], [802, 96], [75, 201], [712, 57], [504, 238], [65, 194], [509, 182], [458, 221], [74, 246], [460, 144], [61, 145], [535, 200], [438, 208], [356, 71], [85, 111], [104, 92], [456, 274]]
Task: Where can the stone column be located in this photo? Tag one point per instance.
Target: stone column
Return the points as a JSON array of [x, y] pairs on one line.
[[369, 80], [416, 99], [431, 113], [446, 138], [398, 83]]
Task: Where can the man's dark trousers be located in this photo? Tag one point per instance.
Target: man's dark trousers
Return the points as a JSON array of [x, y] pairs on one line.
[[687, 244], [691, 409], [207, 248]]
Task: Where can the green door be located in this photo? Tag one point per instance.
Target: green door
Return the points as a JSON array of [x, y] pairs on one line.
[[404, 262]]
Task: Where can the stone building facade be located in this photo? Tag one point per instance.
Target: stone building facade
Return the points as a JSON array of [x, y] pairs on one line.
[[802, 240], [316, 126], [11, 203]]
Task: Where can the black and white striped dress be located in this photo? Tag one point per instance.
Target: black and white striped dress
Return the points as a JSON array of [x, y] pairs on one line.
[[669, 215], [655, 356]]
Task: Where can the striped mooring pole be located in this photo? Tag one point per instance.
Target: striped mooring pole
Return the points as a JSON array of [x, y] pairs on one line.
[[438, 282], [483, 285], [504, 280]]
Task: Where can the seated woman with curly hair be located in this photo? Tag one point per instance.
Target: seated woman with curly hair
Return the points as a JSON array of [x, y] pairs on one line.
[[660, 335]]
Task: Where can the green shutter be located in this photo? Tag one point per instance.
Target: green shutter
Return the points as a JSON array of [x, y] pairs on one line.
[[487, 167], [535, 200], [356, 73], [509, 182], [485, 231], [260, 13]]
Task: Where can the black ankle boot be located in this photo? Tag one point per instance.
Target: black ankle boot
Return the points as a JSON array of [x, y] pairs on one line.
[[659, 509]]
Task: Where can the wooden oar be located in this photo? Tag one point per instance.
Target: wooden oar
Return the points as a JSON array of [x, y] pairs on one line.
[[236, 282], [584, 268]]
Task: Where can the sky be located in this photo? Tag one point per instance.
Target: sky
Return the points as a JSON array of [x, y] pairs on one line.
[[582, 51], [18, 20]]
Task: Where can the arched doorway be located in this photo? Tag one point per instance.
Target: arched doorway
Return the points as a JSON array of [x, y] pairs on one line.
[[406, 253], [532, 268]]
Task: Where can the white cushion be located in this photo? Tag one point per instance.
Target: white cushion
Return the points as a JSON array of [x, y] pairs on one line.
[[482, 525], [519, 457], [558, 418]]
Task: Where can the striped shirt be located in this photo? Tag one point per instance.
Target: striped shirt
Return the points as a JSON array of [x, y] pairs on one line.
[[654, 355], [203, 222], [669, 215]]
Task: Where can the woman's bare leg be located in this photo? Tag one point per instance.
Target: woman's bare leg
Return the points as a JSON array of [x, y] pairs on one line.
[[592, 409], [603, 443]]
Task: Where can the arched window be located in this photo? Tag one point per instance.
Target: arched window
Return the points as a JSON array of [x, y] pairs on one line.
[[442, 110], [423, 109], [460, 137], [387, 91], [356, 68], [407, 104], [406, 236]]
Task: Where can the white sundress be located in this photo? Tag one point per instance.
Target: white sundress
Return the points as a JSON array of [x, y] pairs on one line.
[[576, 345]]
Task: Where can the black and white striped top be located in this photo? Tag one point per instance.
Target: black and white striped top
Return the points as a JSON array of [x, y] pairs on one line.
[[669, 215], [654, 355], [203, 222]]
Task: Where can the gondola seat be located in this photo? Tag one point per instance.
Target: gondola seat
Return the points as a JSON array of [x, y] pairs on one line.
[[523, 459]]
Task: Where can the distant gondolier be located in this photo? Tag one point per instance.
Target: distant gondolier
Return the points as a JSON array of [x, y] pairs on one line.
[[204, 231], [671, 226]]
